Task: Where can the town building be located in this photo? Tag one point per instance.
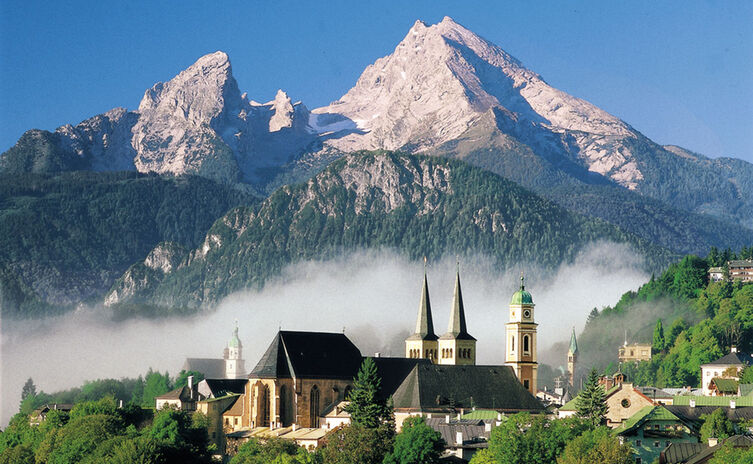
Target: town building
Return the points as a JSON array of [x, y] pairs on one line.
[[623, 402], [635, 352], [183, 398], [716, 274], [39, 415], [651, 430], [520, 352], [741, 269], [726, 367]]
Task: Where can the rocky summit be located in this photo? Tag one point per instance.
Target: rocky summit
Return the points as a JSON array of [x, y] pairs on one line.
[[443, 91]]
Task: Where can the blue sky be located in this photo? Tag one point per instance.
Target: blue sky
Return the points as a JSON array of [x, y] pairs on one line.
[[680, 72]]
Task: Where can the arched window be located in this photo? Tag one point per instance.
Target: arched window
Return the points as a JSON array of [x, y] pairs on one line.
[[526, 348], [286, 406], [314, 407], [264, 406]]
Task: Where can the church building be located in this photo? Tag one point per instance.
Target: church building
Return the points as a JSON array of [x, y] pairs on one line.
[[521, 339]]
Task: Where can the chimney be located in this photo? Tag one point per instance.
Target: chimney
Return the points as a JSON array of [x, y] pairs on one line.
[[732, 404], [459, 438], [295, 427], [447, 419], [713, 442], [377, 354], [120, 404], [499, 417], [733, 349], [190, 386], [487, 426], [692, 403], [458, 416]]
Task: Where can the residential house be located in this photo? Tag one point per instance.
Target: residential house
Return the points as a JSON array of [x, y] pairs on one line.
[[623, 400], [651, 430], [728, 367], [741, 269]]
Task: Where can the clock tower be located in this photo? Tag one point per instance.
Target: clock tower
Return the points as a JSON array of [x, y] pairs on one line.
[[520, 351]]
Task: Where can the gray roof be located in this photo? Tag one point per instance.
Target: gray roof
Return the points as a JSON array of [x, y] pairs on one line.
[[473, 432], [654, 393], [694, 414], [424, 323], [445, 388], [677, 453], [211, 368], [741, 263], [456, 329], [734, 358], [393, 371], [309, 355]]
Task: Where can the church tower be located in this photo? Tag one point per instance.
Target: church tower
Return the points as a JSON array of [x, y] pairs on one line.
[[423, 343], [572, 358], [234, 365], [457, 346], [521, 339]]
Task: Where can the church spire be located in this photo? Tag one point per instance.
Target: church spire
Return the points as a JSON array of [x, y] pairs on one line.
[[457, 327], [573, 343], [425, 323]]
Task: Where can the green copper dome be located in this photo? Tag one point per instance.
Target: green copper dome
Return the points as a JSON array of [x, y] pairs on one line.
[[521, 296]]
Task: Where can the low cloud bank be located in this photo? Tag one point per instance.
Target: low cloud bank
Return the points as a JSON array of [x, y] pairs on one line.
[[372, 296]]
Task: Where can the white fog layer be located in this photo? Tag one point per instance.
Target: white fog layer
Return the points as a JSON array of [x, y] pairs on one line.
[[373, 296]]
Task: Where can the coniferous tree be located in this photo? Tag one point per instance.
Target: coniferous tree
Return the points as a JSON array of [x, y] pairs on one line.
[[366, 408], [592, 316], [591, 402], [29, 389], [659, 342]]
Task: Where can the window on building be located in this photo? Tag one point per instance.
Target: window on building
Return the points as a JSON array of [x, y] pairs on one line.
[[235, 421], [512, 343], [526, 347], [638, 461], [314, 407], [637, 443], [526, 384], [657, 444]]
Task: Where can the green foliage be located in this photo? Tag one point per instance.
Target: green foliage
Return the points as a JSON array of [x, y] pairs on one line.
[[731, 455], [596, 446], [355, 444], [179, 437], [78, 439], [28, 389], [73, 234], [716, 425], [417, 443], [366, 408], [591, 402], [105, 406], [272, 451], [155, 384], [526, 439], [659, 341]]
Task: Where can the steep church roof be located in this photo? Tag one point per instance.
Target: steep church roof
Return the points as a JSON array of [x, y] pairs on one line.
[[211, 368], [573, 343], [424, 323], [456, 329], [309, 355], [432, 387]]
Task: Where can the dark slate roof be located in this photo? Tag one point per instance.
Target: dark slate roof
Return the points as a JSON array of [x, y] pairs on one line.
[[473, 431], [654, 393], [431, 387], [181, 393], [211, 368], [456, 329], [677, 453], [222, 387], [734, 358], [689, 414], [424, 323], [311, 355], [393, 372]]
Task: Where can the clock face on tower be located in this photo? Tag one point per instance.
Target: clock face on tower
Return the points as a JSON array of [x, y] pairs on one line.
[[527, 313]]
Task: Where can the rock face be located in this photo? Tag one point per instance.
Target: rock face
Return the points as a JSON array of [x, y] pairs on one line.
[[143, 276], [442, 79]]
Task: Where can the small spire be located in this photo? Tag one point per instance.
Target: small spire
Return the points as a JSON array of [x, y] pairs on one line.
[[573, 343], [456, 329], [424, 322], [522, 281]]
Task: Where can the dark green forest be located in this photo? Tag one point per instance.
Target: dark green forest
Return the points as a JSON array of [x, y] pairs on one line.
[[475, 212], [66, 237]]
